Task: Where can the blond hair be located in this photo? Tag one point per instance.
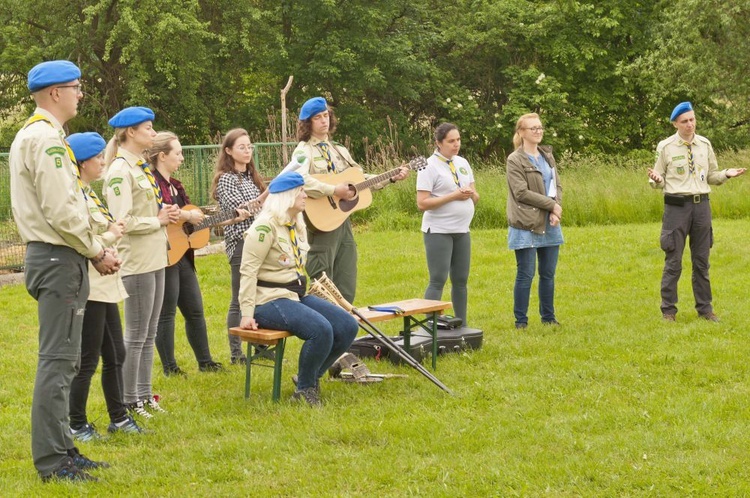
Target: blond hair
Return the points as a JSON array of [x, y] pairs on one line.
[[114, 143], [277, 207], [517, 140], [162, 143]]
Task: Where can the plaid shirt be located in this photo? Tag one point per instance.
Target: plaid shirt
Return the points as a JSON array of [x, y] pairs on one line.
[[232, 190]]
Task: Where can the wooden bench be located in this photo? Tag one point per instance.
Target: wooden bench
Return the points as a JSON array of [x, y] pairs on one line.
[[276, 341]]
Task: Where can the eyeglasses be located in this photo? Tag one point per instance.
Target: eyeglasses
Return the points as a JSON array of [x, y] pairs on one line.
[[535, 129], [244, 148], [77, 87]]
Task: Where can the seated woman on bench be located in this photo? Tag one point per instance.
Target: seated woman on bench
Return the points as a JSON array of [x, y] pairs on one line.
[[273, 286]]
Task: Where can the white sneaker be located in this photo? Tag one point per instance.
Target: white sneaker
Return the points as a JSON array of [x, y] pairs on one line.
[[153, 404], [138, 408]]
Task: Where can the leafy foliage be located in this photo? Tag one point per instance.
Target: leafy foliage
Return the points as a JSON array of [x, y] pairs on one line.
[[604, 74]]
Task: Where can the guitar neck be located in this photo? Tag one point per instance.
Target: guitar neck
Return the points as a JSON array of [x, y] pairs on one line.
[[376, 179], [214, 220]]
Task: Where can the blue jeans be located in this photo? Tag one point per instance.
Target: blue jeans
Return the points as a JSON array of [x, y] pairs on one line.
[[181, 290], [327, 330], [525, 269]]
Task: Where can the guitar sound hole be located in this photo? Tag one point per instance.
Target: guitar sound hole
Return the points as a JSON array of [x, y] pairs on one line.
[[347, 206]]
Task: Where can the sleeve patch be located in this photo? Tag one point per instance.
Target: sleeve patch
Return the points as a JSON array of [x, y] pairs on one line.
[[56, 150], [114, 181], [263, 228]]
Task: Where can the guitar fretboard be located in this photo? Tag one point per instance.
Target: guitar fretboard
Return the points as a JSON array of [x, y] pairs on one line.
[[413, 164]]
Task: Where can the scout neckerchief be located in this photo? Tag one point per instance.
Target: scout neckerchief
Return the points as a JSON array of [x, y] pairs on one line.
[[327, 155], [691, 159], [452, 168], [154, 186], [102, 208], [38, 117], [295, 248]]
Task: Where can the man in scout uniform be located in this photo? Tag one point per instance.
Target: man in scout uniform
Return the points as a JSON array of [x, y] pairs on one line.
[[50, 210], [685, 166], [334, 252]]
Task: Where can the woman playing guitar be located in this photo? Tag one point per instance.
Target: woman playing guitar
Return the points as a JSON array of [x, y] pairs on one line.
[[236, 182], [180, 280]]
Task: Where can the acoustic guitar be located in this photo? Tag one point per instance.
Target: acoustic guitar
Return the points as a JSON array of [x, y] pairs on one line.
[[330, 212], [183, 235]]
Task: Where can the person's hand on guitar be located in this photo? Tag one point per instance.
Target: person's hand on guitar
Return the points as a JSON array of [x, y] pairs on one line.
[[192, 216], [401, 174], [242, 215], [344, 191]]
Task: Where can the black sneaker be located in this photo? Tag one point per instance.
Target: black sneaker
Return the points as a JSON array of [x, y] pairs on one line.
[[86, 433], [210, 366], [127, 426], [67, 471], [310, 395], [239, 360], [295, 379], [175, 372], [84, 463]]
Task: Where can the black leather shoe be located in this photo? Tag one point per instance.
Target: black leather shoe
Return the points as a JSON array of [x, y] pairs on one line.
[[67, 471], [175, 372], [84, 463], [210, 366]]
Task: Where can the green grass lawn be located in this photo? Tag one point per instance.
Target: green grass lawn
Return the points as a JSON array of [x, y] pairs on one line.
[[613, 403]]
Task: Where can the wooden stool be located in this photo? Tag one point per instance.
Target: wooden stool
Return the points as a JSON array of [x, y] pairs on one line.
[[276, 341]]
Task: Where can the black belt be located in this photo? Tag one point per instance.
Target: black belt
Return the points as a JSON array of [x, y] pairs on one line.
[[681, 200], [299, 286]]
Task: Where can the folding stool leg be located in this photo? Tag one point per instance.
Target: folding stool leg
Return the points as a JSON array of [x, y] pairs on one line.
[[278, 360], [247, 370]]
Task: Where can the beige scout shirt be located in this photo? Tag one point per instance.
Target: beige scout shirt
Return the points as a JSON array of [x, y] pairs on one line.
[[672, 165], [104, 288], [143, 247], [47, 202], [268, 255], [318, 165]]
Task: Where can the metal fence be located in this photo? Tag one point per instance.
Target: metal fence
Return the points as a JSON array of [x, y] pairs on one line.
[[195, 173]]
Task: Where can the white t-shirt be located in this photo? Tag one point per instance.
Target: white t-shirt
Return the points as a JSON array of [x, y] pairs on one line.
[[436, 178]]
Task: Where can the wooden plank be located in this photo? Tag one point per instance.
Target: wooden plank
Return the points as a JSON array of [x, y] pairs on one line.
[[268, 335], [410, 307]]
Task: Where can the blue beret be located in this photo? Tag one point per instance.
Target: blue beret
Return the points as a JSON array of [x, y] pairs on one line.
[[131, 116], [313, 107], [52, 73], [86, 145], [285, 181], [681, 108]]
